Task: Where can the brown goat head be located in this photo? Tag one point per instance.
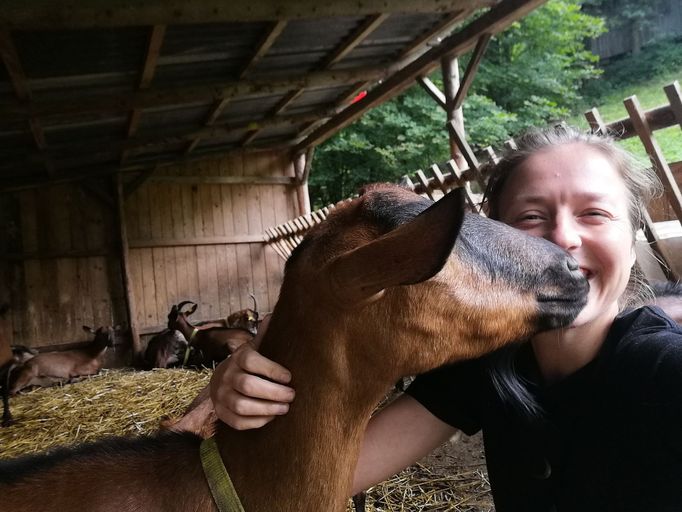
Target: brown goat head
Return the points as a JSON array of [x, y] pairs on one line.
[[495, 286]]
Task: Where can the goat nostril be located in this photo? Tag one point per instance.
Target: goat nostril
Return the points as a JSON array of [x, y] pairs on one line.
[[572, 264]]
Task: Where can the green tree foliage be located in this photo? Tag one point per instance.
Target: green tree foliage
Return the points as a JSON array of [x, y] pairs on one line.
[[531, 74]]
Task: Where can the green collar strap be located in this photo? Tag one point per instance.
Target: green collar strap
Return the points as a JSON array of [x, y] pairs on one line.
[[194, 333], [188, 351], [223, 492]]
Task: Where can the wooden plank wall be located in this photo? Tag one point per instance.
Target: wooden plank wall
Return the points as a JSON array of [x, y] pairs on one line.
[[59, 269], [60, 257], [177, 234]]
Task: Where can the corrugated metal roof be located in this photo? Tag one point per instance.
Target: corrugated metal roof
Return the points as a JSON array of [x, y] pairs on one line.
[[101, 88]]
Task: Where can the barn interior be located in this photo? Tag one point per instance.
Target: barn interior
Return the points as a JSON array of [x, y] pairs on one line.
[[158, 152]]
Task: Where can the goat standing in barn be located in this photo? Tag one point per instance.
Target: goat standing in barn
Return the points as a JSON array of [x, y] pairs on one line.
[[211, 344], [375, 290]]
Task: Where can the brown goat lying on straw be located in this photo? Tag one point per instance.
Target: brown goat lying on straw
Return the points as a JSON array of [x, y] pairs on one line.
[[344, 285]]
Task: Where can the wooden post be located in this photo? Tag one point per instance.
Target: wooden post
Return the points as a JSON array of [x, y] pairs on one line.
[[302, 164], [125, 272], [450, 70]]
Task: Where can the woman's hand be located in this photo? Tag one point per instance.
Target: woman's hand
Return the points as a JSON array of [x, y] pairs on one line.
[[248, 390]]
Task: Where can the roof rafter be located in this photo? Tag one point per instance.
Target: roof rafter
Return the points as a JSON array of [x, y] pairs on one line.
[[153, 98], [156, 37], [274, 31], [56, 14], [22, 90], [495, 20], [369, 25]]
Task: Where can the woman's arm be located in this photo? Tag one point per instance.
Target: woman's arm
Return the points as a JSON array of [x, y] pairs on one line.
[[397, 436]]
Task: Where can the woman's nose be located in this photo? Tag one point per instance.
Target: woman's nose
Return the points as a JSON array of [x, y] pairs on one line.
[[565, 234]]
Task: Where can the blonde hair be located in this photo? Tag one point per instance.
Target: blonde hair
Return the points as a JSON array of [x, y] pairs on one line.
[[641, 182]]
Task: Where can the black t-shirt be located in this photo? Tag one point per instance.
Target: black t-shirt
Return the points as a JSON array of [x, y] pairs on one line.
[[610, 436]]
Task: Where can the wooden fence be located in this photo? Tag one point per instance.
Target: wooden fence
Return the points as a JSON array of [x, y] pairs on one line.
[[439, 180], [617, 41]]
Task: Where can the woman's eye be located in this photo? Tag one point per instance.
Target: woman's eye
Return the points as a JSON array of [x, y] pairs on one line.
[[530, 216], [596, 215], [528, 220]]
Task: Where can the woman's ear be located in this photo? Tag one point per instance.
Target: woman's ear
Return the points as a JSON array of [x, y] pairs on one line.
[[633, 256]]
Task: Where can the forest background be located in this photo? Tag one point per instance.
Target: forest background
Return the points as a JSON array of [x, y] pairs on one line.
[[539, 71]]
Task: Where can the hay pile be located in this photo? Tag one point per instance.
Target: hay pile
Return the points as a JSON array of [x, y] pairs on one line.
[[115, 402], [420, 488], [125, 402]]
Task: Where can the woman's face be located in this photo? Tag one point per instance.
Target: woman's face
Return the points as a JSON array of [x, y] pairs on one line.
[[573, 196]]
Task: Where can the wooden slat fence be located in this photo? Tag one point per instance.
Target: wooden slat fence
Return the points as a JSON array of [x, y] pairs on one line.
[[440, 179]]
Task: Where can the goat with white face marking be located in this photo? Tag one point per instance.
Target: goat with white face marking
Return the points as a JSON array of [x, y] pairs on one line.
[[166, 350], [210, 344], [374, 293]]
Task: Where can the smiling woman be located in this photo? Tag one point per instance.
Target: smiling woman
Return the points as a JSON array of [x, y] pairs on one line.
[[585, 417]]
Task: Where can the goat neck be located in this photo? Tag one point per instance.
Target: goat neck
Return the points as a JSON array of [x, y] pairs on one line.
[[320, 436], [184, 326]]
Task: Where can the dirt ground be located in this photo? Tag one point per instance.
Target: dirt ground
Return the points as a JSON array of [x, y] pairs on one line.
[[452, 478]]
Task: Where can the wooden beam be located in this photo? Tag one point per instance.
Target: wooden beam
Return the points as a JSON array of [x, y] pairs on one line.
[[249, 137], [217, 109], [156, 38], [471, 70], [655, 154], [15, 70], [494, 21], [433, 91], [22, 90], [286, 101], [369, 25], [663, 256], [69, 14], [672, 91], [129, 295], [300, 164], [657, 118], [467, 153], [595, 121], [213, 114], [455, 115], [136, 167], [100, 194], [436, 32], [130, 187], [209, 240], [172, 138], [173, 96], [274, 31], [225, 180], [52, 255]]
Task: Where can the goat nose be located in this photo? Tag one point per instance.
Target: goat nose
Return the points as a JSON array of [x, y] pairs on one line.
[[572, 264]]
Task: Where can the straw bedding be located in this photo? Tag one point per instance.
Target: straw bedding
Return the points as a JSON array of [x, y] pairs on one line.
[[125, 402]]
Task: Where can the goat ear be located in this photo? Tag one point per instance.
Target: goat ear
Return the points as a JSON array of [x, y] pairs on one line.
[[192, 309], [411, 253]]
